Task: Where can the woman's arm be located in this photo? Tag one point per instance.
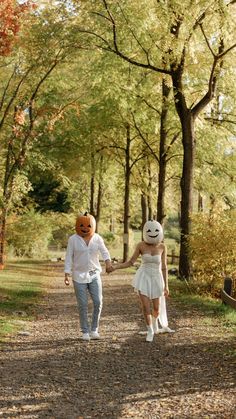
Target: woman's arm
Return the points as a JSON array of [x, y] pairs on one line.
[[129, 262], [165, 270]]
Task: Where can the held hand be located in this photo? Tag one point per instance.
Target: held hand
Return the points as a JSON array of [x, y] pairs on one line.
[[166, 292], [67, 280], [109, 269]]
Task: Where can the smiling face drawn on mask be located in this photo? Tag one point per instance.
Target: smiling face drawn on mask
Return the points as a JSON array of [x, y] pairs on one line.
[[152, 232], [85, 225]]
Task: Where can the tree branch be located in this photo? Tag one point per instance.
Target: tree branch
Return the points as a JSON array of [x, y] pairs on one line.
[[172, 142], [116, 49], [149, 104], [6, 88], [14, 96], [144, 139], [207, 42], [209, 94]]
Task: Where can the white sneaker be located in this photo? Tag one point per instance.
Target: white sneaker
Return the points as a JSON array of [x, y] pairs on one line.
[[85, 336], [94, 335], [150, 334], [155, 325], [166, 330]]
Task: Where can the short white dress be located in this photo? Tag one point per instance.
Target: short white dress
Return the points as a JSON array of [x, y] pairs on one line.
[[148, 280]]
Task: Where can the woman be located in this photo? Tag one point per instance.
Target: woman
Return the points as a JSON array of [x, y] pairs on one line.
[[151, 278]]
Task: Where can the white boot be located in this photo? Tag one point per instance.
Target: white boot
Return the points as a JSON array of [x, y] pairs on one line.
[[150, 334], [155, 324]]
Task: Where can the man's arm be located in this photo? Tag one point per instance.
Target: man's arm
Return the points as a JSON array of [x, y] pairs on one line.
[[108, 266], [68, 261], [105, 254]]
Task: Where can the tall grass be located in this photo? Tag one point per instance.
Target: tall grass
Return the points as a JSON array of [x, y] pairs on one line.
[[183, 292], [21, 286]]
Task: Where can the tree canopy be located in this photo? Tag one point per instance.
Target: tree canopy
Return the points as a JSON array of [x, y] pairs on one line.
[[125, 109]]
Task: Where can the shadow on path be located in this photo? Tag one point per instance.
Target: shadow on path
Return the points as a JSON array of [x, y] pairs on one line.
[[53, 374]]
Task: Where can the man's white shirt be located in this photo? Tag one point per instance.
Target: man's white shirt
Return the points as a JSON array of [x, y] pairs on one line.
[[82, 258]]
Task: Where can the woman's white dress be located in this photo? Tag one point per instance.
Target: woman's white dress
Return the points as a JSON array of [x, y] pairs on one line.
[[149, 281]]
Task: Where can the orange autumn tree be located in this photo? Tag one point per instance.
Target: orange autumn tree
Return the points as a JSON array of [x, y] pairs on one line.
[[10, 13], [28, 110]]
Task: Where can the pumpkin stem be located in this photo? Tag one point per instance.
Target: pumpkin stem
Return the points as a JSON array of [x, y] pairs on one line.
[[86, 213]]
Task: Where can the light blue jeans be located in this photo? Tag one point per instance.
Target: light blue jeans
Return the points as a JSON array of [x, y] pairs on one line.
[[82, 292]]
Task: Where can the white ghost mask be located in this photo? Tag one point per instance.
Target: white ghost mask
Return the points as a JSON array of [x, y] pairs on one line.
[[152, 232]]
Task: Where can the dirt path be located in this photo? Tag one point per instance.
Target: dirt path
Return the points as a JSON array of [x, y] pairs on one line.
[[51, 373]]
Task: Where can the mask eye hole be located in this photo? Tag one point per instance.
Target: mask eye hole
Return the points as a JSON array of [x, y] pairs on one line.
[[149, 231], [156, 229]]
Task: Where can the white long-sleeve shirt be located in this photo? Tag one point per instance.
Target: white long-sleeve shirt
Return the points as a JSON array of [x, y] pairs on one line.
[[82, 258]]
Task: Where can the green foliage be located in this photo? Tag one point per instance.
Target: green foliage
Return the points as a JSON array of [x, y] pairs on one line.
[[171, 228], [212, 245], [81, 108], [48, 192], [63, 225], [185, 294], [109, 237], [21, 288], [29, 234]]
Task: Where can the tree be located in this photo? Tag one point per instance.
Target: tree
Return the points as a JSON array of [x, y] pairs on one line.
[[11, 13], [42, 47], [163, 36]]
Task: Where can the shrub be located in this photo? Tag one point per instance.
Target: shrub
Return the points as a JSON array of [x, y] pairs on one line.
[[171, 228], [29, 234], [212, 245], [109, 237], [63, 225]]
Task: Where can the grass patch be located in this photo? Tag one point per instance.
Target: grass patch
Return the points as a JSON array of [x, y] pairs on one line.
[[21, 286], [181, 292]]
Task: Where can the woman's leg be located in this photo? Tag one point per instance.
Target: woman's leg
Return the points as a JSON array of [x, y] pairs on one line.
[[145, 301], [81, 293], [95, 290], [155, 314]]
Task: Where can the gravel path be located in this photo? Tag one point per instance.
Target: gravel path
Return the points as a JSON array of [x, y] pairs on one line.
[[50, 373]]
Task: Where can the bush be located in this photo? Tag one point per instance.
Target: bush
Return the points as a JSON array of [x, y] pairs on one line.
[[109, 237], [173, 233], [212, 245], [63, 226], [29, 234], [171, 228]]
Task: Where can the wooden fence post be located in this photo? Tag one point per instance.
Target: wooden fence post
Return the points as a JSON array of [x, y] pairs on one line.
[[172, 256], [228, 285], [226, 293]]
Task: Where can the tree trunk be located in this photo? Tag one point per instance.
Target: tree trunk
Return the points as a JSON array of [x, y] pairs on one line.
[[186, 185], [100, 193], [212, 206], [162, 154], [144, 208], [200, 202], [99, 200], [149, 194], [111, 226], [2, 237], [126, 196], [92, 185], [10, 171]]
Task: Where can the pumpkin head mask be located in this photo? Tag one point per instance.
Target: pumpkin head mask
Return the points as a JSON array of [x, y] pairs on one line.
[[152, 232], [85, 225]]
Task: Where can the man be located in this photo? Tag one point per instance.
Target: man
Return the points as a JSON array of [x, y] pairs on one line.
[[82, 262]]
